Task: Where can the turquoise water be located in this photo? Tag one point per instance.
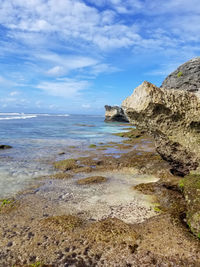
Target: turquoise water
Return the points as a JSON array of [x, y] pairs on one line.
[[37, 139]]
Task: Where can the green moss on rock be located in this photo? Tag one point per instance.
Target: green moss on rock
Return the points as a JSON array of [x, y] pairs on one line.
[[92, 180], [191, 190], [92, 146], [61, 175], [133, 133], [145, 188], [6, 205], [65, 165]]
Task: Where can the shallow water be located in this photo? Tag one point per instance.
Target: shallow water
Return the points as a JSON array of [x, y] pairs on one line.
[[113, 198], [38, 138]]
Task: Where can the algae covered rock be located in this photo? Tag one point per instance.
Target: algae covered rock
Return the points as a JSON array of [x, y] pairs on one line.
[[92, 180], [61, 175], [112, 230], [66, 164], [115, 113], [191, 189], [173, 118], [66, 222]]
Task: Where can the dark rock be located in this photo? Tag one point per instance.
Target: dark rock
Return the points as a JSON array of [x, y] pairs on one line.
[[186, 77], [9, 244], [5, 147], [115, 113]]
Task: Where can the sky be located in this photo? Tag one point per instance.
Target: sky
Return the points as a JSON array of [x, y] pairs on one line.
[[73, 56]]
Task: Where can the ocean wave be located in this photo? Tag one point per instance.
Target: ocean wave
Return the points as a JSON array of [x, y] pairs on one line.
[[10, 114], [47, 115], [23, 117], [62, 115]]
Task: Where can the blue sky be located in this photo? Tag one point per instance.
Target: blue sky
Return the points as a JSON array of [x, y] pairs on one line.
[[75, 56]]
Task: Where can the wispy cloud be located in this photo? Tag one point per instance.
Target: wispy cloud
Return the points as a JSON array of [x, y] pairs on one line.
[[67, 88], [42, 41], [14, 93]]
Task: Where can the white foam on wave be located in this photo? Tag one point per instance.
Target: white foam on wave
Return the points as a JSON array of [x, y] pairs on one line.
[[23, 116], [64, 115], [19, 117], [9, 114]]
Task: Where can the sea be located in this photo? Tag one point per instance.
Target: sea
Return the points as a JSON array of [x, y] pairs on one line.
[[38, 139]]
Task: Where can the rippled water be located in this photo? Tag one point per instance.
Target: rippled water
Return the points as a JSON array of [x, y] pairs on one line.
[[38, 138]]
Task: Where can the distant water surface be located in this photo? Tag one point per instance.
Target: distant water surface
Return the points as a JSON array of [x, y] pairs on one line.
[[38, 138]]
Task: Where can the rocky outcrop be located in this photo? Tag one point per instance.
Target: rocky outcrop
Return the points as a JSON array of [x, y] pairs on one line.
[[5, 147], [186, 77], [115, 113], [173, 118]]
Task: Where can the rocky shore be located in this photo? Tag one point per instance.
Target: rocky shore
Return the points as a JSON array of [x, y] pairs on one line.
[[135, 202], [171, 116], [117, 206]]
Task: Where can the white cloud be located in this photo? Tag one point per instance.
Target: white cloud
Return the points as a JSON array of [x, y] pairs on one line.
[[86, 106], [69, 19], [66, 63], [103, 68], [5, 83], [74, 20], [14, 93], [59, 38], [56, 71], [67, 88]]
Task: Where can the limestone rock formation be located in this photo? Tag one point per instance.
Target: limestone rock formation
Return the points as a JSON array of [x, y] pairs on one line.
[[186, 77], [115, 113], [173, 118]]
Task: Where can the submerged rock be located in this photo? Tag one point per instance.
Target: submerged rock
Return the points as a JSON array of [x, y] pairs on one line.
[[185, 77], [115, 113], [5, 146], [66, 164], [173, 118], [92, 180]]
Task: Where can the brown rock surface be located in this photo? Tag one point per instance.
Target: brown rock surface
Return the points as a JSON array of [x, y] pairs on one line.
[[172, 117]]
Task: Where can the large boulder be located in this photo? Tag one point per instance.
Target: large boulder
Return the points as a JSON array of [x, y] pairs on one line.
[[115, 113], [173, 118], [186, 77]]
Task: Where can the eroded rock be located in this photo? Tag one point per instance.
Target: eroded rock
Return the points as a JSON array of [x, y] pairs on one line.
[[115, 113], [173, 118], [185, 77]]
